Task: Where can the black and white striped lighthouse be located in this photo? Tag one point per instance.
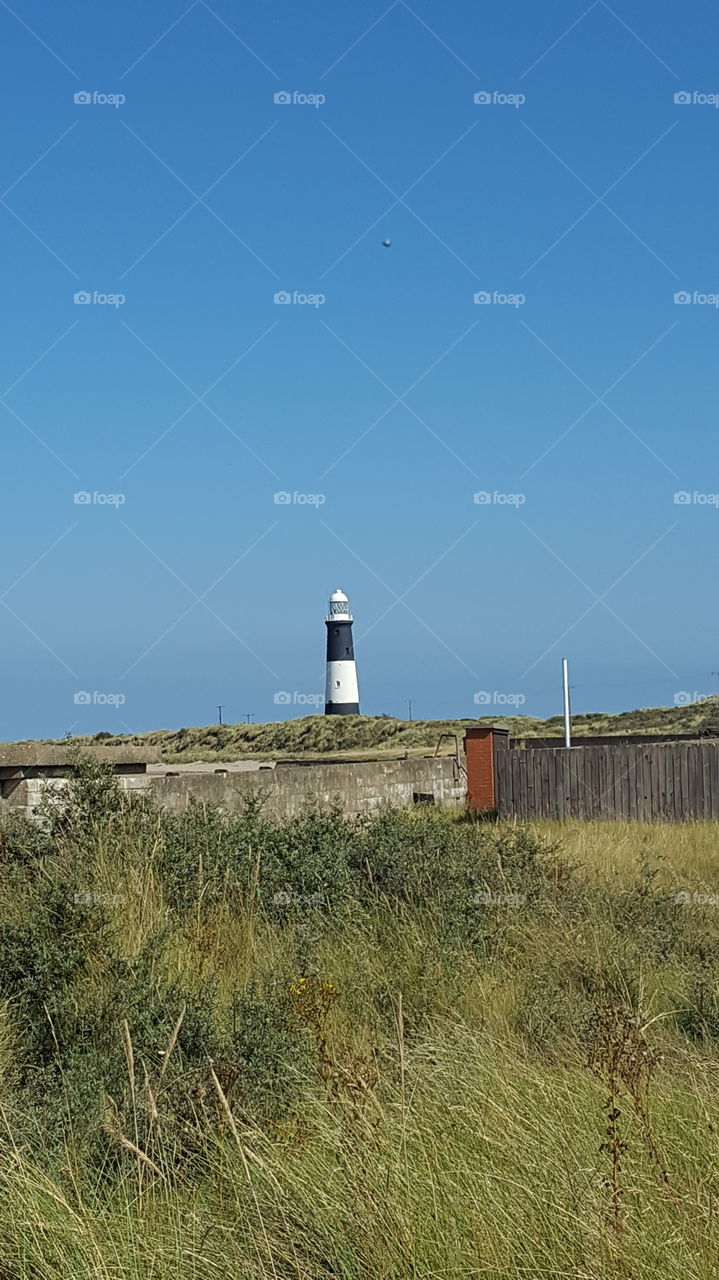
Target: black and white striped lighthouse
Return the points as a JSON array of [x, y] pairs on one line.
[[341, 692]]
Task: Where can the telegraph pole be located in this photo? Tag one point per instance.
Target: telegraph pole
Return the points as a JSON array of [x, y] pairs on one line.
[[220, 714]]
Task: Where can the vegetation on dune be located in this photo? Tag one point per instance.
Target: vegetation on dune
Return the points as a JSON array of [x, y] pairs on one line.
[[403, 1045], [376, 736], [306, 737]]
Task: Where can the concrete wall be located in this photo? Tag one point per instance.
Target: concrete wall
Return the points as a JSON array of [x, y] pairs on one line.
[[24, 795], [286, 789]]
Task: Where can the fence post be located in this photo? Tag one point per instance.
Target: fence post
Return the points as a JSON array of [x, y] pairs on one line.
[[480, 744]]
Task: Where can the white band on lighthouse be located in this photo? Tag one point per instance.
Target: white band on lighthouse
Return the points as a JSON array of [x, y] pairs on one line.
[[342, 683], [341, 691]]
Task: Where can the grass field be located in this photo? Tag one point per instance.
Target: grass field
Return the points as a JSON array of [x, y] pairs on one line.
[[403, 1046], [352, 737]]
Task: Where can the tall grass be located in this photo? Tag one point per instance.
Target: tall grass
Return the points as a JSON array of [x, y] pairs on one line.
[[401, 1046]]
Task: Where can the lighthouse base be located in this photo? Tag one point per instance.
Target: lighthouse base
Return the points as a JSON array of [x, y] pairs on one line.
[[342, 709]]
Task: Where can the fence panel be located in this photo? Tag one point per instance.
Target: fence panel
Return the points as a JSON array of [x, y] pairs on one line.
[[671, 781]]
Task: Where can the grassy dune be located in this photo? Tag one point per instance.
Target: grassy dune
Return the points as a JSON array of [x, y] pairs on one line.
[[352, 737], [405, 1046]]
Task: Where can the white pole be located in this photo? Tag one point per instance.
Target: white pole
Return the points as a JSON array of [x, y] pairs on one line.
[[567, 713]]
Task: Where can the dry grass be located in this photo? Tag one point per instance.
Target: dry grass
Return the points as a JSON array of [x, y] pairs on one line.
[[456, 1123], [683, 854]]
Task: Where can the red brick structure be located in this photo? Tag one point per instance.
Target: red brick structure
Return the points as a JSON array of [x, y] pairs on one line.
[[480, 745]]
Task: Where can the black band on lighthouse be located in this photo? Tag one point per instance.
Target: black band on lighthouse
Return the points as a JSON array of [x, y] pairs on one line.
[[340, 647]]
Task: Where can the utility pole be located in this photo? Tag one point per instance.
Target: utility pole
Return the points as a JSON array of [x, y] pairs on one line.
[[249, 716], [220, 714], [409, 704], [567, 712]]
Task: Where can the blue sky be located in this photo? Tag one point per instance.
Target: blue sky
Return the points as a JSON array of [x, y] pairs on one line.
[[388, 398]]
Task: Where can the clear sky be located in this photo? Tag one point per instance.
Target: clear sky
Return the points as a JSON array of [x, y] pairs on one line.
[[581, 197]]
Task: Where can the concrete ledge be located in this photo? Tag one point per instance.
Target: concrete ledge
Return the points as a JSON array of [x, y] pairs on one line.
[[15, 755]]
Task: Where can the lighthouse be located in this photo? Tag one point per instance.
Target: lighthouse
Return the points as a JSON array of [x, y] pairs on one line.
[[341, 692]]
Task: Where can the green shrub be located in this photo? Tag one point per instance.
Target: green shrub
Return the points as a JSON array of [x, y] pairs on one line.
[[207, 857], [22, 841]]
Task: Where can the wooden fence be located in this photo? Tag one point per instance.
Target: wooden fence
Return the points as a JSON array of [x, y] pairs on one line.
[[673, 782]]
